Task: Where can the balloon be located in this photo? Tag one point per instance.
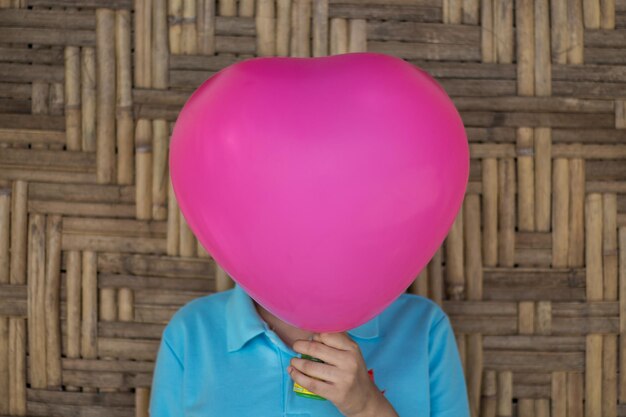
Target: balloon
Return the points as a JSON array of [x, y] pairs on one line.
[[322, 186]]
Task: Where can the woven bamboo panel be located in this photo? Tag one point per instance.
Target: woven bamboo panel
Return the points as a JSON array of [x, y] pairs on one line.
[[95, 256]]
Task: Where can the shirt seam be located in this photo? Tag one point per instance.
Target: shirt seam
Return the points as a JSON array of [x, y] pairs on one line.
[[434, 326], [180, 362]]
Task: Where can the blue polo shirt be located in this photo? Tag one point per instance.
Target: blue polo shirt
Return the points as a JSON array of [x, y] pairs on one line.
[[219, 358]]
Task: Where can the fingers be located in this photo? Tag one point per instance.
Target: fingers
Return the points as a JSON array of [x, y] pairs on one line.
[[315, 369], [321, 388], [321, 351], [339, 340]]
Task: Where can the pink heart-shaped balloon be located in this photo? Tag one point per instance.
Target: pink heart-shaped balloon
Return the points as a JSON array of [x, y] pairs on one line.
[[323, 186]]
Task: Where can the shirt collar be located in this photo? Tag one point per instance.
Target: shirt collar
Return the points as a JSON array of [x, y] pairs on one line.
[[243, 322]]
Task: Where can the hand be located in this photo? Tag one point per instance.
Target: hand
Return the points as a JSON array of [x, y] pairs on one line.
[[345, 381]]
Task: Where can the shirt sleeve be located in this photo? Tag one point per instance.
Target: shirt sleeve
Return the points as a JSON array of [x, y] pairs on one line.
[[167, 383], [448, 392]]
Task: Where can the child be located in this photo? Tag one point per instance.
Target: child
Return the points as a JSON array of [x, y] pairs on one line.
[[225, 355]]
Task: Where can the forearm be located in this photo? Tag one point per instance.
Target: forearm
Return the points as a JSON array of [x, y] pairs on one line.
[[378, 406]]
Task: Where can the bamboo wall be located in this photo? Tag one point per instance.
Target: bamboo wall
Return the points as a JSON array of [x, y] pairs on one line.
[[95, 256]]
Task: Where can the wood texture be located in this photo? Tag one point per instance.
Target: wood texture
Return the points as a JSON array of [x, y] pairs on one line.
[[95, 256]]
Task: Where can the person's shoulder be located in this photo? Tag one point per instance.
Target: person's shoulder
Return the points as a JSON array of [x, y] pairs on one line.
[[417, 307], [200, 311]]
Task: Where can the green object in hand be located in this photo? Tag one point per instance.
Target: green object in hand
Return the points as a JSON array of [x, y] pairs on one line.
[[299, 389]]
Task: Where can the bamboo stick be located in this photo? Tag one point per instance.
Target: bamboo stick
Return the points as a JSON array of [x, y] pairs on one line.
[[228, 7], [222, 281], [559, 31], [488, 39], [575, 394], [283, 27], [503, 30], [56, 102], [267, 26], [17, 366], [143, 164], [526, 317], [108, 305], [504, 399], [455, 277], [419, 286], [622, 313], [36, 301], [201, 252], [591, 14], [206, 25], [560, 216], [357, 38], [506, 211], [543, 67], [488, 402], [88, 98], [526, 407], [576, 256], [607, 14], [72, 98], [473, 250], [543, 178], [160, 52], [189, 33], [575, 51], [435, 277], [609, 375], [301, 28], [4, 365], [124, 131], [126, 304], [105, 94], [593, 246], [39, 101], [89, 295], [173, 222], [73, 309], [490, 211], [52, 300], [338, 36], [471, 12], [143, 43], [609, 246], [593, 376], [526, 183], [142, 401], [175, 20], [559, 394], [186, 238], [320, 28], [5, 228], [159, 175], [620, 114], [452, 11], [525, 30], [474, 371], [246, 8], [542, 407]]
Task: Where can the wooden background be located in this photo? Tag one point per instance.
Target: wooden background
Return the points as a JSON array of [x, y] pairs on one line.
[[95, 256]]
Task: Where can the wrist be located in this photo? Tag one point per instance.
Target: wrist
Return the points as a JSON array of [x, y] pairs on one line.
[[376, 406]]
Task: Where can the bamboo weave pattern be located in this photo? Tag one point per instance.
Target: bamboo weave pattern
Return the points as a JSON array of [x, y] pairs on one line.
[[95, 256]]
